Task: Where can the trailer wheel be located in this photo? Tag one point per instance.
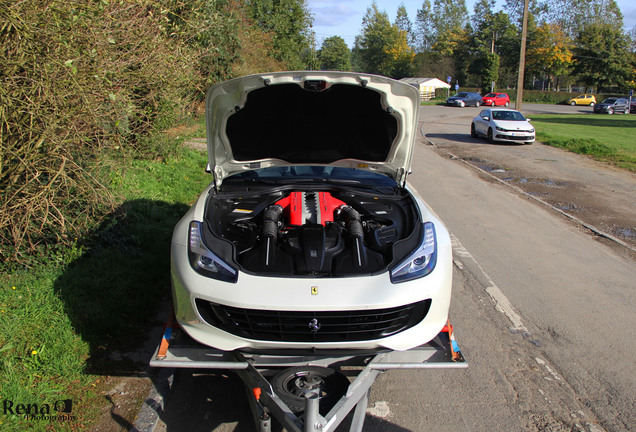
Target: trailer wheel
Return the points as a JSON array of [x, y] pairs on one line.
[[292, 383]]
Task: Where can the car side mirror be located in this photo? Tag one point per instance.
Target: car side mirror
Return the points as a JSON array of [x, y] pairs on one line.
[[486, 118], [528, 119]]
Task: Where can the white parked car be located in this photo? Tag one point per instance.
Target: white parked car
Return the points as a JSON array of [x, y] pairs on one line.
[[502, 124], [309, 237]]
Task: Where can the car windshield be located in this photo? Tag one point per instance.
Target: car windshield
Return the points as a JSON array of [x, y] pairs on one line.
[[490, 95], [309, 173], [461, 94], [609, 101], [508, 115]]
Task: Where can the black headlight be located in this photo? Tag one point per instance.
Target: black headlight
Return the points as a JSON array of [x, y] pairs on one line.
[[421, 262], [204, 261]]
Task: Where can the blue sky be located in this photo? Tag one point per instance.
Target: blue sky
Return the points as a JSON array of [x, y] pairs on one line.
[[344, 17]]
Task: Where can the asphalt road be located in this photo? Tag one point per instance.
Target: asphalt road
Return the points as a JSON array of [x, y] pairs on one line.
[[543, 311]]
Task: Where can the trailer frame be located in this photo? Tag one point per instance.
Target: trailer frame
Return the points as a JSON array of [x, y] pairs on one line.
[[178, 350]]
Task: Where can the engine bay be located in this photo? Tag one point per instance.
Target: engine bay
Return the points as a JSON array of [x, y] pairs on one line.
[[313, 233]]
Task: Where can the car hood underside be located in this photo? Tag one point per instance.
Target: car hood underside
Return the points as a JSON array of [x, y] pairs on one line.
[[314, 118]]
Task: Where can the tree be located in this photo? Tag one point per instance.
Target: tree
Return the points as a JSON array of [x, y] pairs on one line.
[[289, 22], [536, 9], [335, 54], [401, 55], [491, 29], [383, 48], [631, 35], [489, 71], [601, 56], [573, 15], [424, 30], [549, 53], [449, 16], [210, 27], [483, 11], [440, 23], [403, 22]]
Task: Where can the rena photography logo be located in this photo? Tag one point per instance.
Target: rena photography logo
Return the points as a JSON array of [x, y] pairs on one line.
[[59, 410]]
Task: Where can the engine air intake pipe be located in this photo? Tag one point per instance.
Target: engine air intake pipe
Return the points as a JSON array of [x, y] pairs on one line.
[[271, 217], [352, 220]]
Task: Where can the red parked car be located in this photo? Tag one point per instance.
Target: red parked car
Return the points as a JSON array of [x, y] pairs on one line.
[[493, 99]]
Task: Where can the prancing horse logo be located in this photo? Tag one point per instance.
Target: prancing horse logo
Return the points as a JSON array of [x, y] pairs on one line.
[[314, 326]]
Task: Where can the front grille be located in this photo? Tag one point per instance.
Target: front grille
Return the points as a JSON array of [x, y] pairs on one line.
[[514, 138], [307, 326]]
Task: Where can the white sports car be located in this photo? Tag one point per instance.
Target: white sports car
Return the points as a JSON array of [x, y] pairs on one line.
[[308, 237], [502, 124]]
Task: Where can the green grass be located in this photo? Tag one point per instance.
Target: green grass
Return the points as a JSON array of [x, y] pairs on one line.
[[61, 320], [611, 138]]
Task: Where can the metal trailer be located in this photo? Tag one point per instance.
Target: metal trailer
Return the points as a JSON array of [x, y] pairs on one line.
[[178, 350]]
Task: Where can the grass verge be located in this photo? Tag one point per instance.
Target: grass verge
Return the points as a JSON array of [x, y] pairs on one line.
[[61, 321], [610, 138]]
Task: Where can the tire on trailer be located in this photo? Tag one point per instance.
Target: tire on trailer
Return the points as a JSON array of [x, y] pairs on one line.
[[288, 385]]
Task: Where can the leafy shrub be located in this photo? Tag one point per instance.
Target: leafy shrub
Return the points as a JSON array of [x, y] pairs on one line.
[[79, 80]]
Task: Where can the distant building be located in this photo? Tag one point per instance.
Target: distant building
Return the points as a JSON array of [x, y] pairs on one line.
[[426, 86]]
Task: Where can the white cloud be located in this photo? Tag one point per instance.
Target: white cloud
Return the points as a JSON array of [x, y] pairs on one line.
[[331, 15]]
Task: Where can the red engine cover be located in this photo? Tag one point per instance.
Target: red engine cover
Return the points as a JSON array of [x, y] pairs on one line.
[[309, 207]]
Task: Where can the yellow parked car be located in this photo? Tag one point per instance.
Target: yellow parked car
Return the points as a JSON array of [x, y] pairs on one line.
[[585, 99]]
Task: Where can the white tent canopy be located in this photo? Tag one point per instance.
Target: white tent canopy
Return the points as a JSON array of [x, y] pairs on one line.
[[426, 86]]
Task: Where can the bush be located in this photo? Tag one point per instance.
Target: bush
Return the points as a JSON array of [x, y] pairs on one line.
[[79, 80]]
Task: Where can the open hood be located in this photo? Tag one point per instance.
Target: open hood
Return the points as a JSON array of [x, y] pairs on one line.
[[311, 118]]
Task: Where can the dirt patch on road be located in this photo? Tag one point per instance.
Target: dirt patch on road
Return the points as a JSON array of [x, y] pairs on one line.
[[592, 192]]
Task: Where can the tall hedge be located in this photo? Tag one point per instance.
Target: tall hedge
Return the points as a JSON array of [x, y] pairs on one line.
[[82, 83], [76, 79]]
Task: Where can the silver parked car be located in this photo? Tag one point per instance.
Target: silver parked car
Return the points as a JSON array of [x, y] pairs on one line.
[[309, 237], [502, 124]]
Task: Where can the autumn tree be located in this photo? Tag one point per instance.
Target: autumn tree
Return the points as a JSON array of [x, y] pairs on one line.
[[549, 53], [383, 48], [334, 54], [438, 24]]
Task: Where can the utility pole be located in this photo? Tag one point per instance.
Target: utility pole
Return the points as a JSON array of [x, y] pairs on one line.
[[522, 56]]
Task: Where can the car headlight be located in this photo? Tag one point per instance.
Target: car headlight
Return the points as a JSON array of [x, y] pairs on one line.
[[204, 261], [531, 130], [421, 262], [501, 129]]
